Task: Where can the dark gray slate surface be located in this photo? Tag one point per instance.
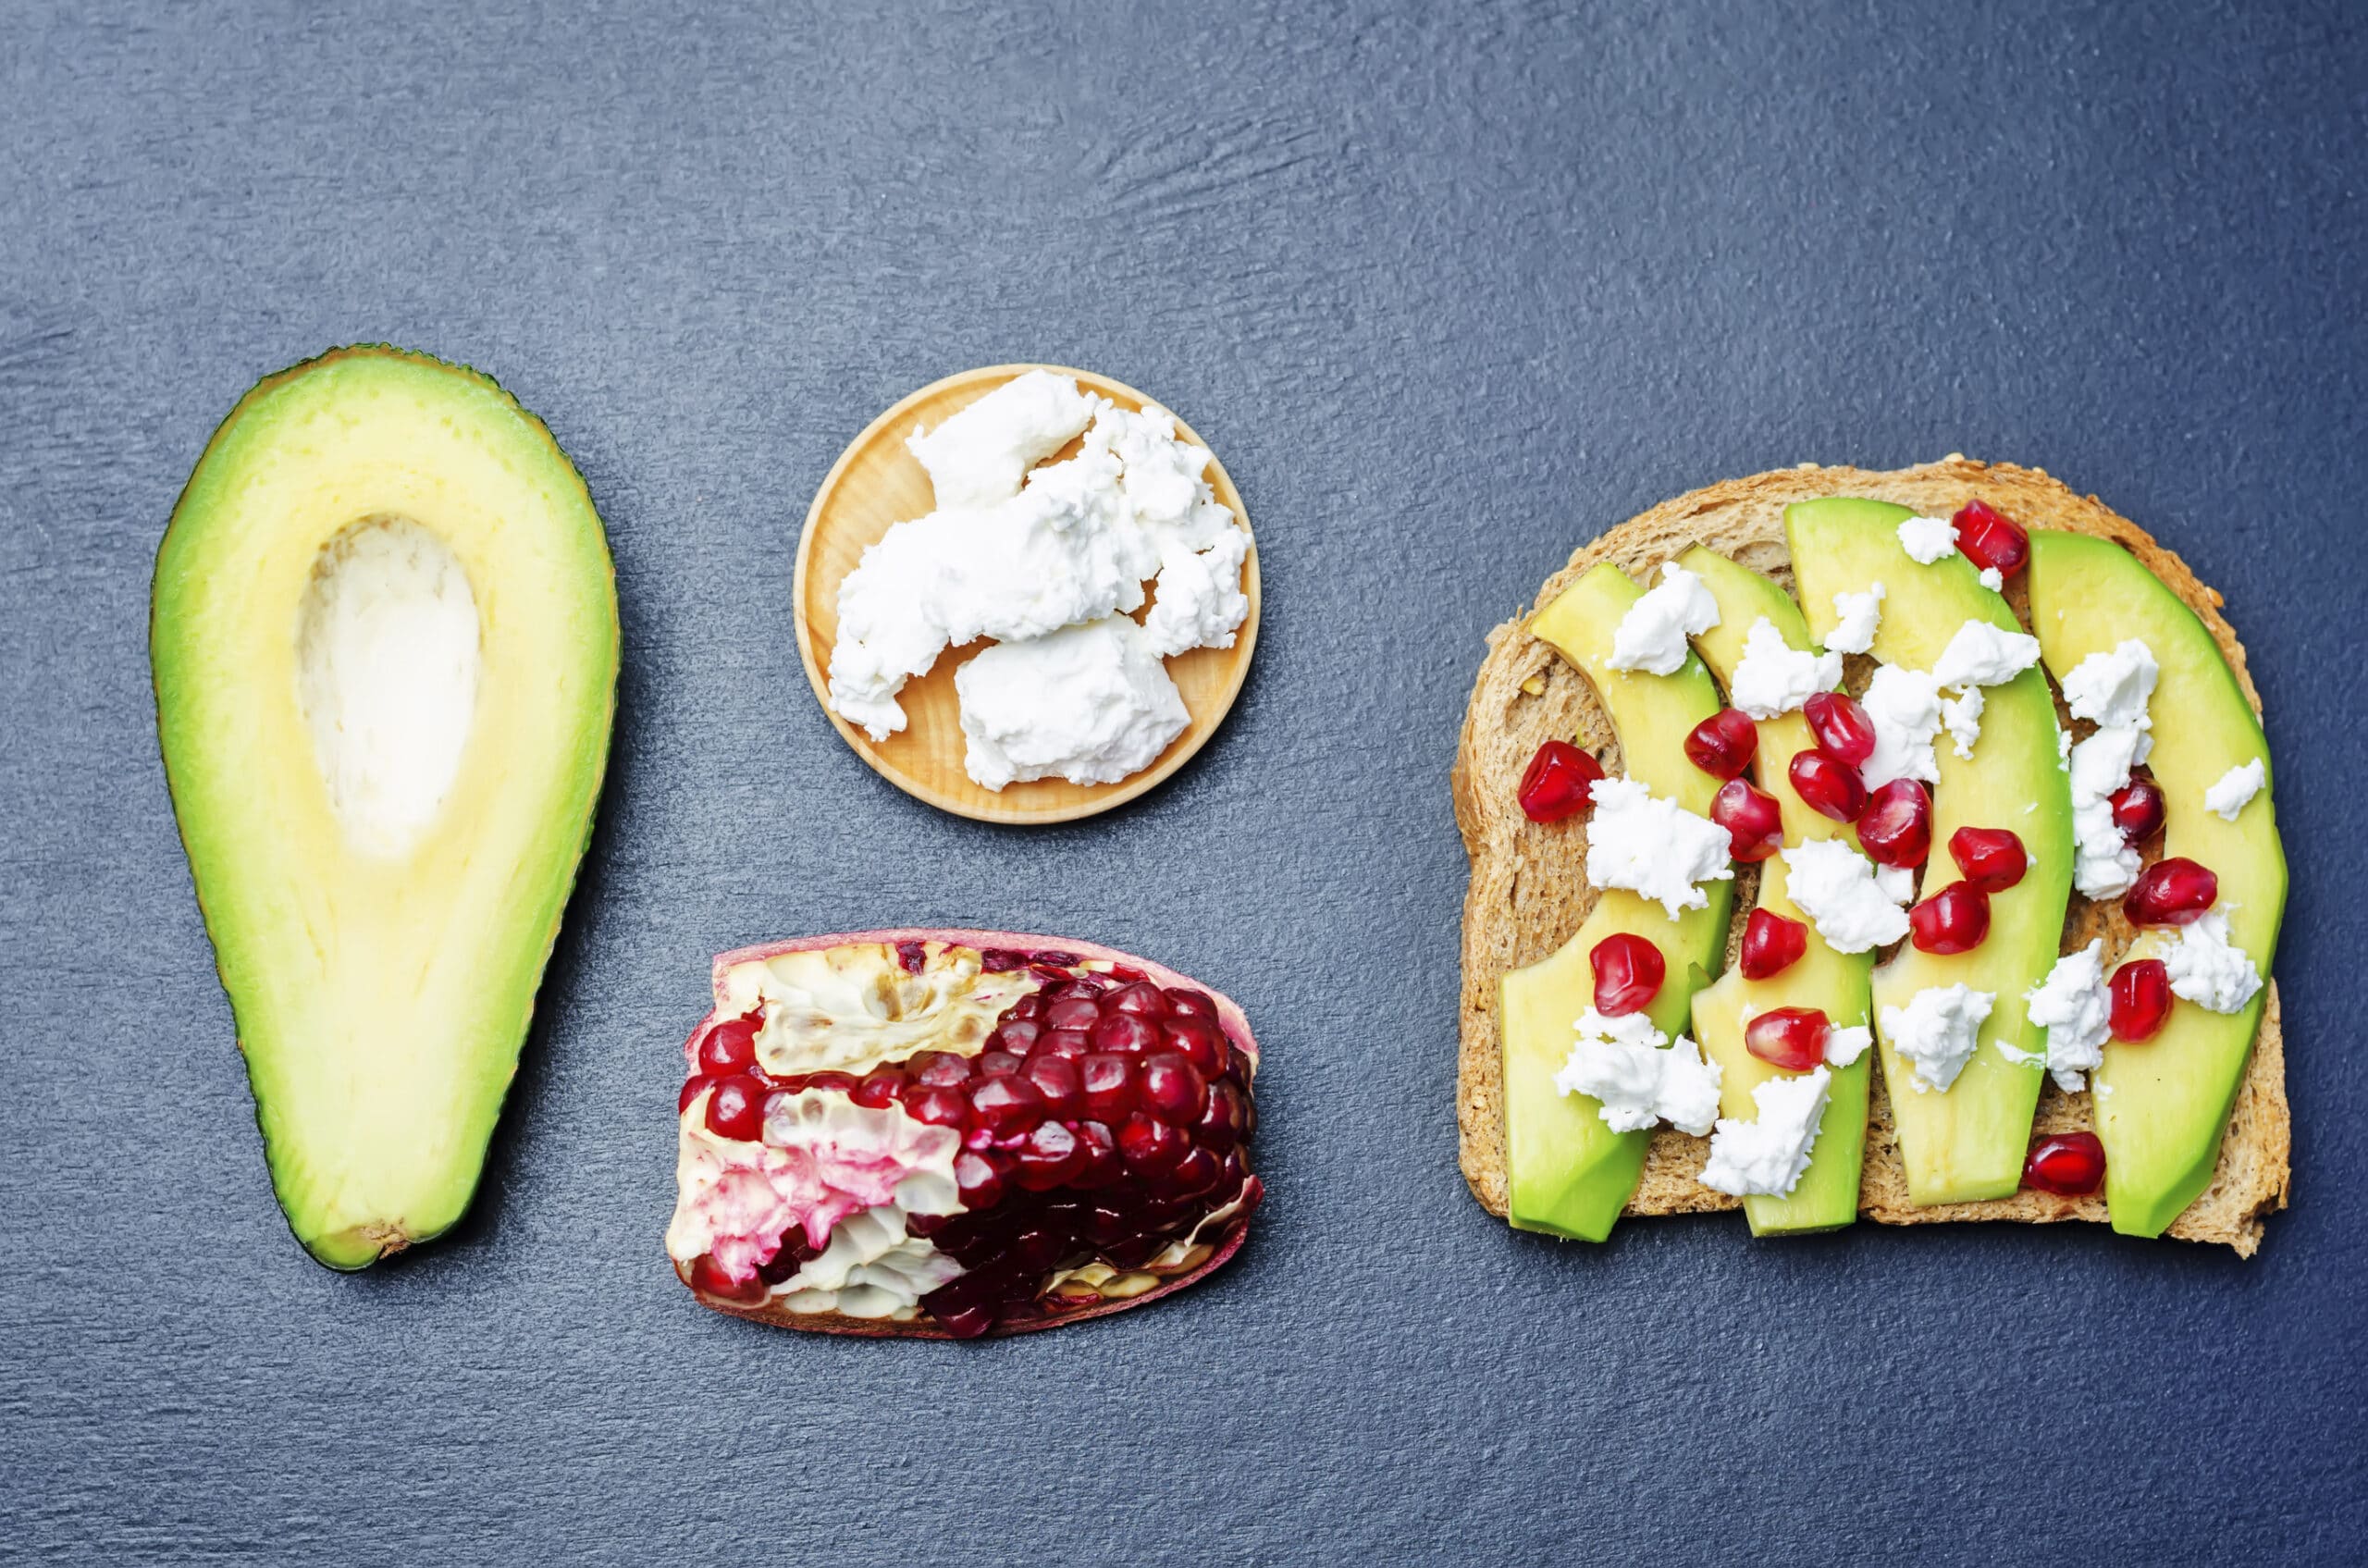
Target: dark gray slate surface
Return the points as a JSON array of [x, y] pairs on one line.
[[1451, 289]]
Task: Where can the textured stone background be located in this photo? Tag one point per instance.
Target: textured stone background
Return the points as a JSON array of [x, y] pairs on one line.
[[1451, 289]]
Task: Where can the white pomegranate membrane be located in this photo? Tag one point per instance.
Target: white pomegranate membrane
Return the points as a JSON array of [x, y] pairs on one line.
[[1032, 1135]]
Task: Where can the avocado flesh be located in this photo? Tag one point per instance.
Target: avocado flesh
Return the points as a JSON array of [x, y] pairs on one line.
[[381, 918], [1567, 1173], [2163, 1104], [1834, 984], [1969, 1142]]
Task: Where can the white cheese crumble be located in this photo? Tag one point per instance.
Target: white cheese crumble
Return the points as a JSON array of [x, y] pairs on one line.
[[1200, 599], [1769, 1156], [1846, 1045], [1981, 655], [1994, 579], [1837, 888], [1653, 849], [1774, 677], [1961, 715], [2236, 789], [1857, 615], [1623, 1062], [1651, 636], [1091, 704], [1904, 706], [979, 456], [1937, 1032], [1928, 539], [2209, 971], [1896, 883], [2111, 690], [2072, 1004]]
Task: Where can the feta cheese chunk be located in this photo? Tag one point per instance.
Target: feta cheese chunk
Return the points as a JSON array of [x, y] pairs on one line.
[[1769, 1154], [1928, 539], [1904, 706], [1981, 655], [1091, 704], [2111, 690], [1621, 1061], [2209, 971], [1836, 887], [1651, 636], [980, 456], [1653, 849], [1198, 600], [1858, 616], [1937, 1032], [1994, 579], [1846, 1045], [1961, 715], [1774, 677], [2072, 1005], [2236, 789]]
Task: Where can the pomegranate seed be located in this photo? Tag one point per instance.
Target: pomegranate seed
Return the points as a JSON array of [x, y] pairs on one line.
[[1991, 858], [709, 1279], [1194, 1174], [1073, 1012], [1108, 1082], [691, 1087], [912, 956], [1006, 1108], [1755, 826], [1828, 785], [979, 1182], [1989, 537], [1000, 960], [1628, 973], [933, 1070], [2170, 893], [1029, 1006], [1066, 1042], [1221, 1123], [730, 1046], [880, 1088], [2137, 810], [1102, 1165], [1126, 1031], [1151, 1147], [1089, 986], [1202, 1043], [1052, 958], [1896, 827], [1172, 1090], [1771, 944], [1791, 1038], [940, 1105], [1843, 730], [736, 1109], [2138, 999], [2072, 1163], [1016, 1035], [1056, 1080], [1557, 781], [998, 1064], [1050, 1157], [1723, 744], [1953, 921], [1192, 1004], [1140, 997], [1127, 975]]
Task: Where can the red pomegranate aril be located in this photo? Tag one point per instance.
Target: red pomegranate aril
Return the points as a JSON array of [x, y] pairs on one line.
[[912, 956], [1016, 1035], [709, 1279], [1005, 1106], [2137, 999], [1073, 1012], [1628, 973], [933, 1070], [1052, 958], [1828, 785], [1140, 997], [1202, 1043], [1108, 1081], [999, 960], [879, 1089], [940, 1105], [1172, 1089], [1221, 1121], [730, 1046], [1056, 1079], [979, 1182], [1722, 744], [1126, 1031], [998, 1064], [1843, 730], [1089, 986], [1066, 1043], [1194, 1174], [1896, 827], [2137, 810], [1031, 1005], [1190, 1003], [837, 1083], [1991, 858], [1991, 539], [2070, 1164], [2171, 892], [1101, 1164], [1150, 1146], [736, 1108], [1791, 1038], [1755, 826], [1051, 1155], [691, 1086], [1771, 944], [1557, 781], [1953, 921]]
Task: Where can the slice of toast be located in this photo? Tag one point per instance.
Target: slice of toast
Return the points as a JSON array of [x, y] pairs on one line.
[[1529, 890]]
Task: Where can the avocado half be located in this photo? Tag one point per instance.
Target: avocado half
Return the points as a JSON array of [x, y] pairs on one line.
[[385, 643]]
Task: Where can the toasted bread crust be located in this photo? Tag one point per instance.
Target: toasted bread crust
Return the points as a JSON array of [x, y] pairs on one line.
[[1528, 892]]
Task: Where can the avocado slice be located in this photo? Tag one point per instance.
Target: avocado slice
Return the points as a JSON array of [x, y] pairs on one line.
[[1969, 1142], [383, 639], [1569, 1174], [2162, 1105], [1834, 984]]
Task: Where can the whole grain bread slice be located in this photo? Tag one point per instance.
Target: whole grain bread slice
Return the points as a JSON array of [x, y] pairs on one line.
[[1529, 891]]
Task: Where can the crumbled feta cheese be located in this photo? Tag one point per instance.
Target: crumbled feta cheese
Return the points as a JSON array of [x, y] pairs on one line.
[[980, 456], [1846, 1045], [1198, 598], [1767, 1155], [2209, 971], [1981, 655], [1622, 1062], [1904, 706], [1928, 539], [1937, 1032], [1961, 715], [2237, 787], [1896, 883], [2110, 689], [1651, 636], [1653, 849], [1994, 579], [1858, 616], [1837, 888], [1091, 704], [2072, 1005], [1774, 677]]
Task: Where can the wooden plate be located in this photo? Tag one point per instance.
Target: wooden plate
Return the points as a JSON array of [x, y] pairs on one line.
[[876, 484]]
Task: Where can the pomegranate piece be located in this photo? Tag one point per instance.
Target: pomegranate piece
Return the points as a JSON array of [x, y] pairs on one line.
[[1771, 944], [1129, 1032], [1555, 784], [1201, 1041], [2174, 892], [1791, 1038], [1628, 973], [735, 1108], [1755, 826], [2072, 1163], [1989, 539], [1189, 1004], [1896, 827], [1953, 921], [1723, 744], [1991, 858], [1172, 1090], [1828, 785], [730, 1046], [2137, 999], [1843, 730], [708, 1278], [2137, 810]]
